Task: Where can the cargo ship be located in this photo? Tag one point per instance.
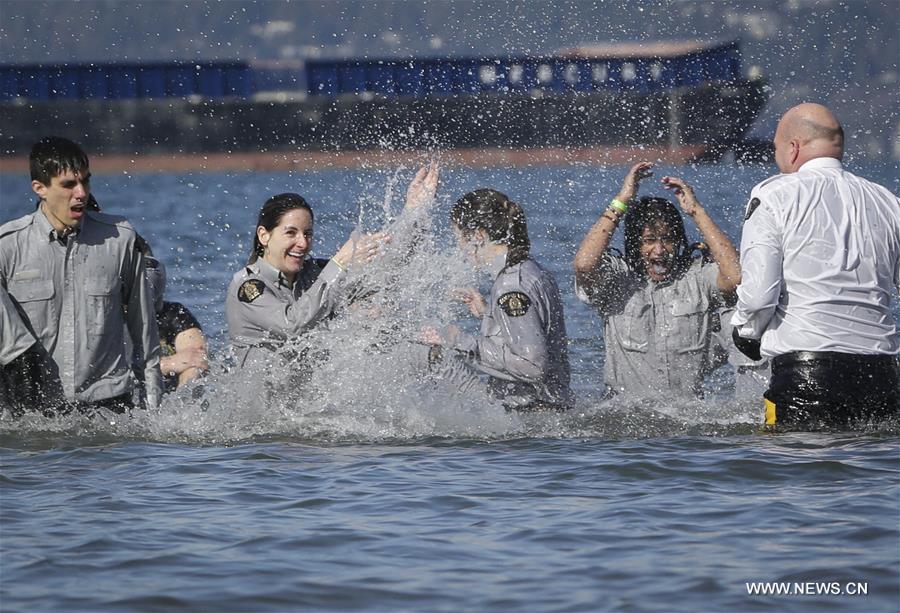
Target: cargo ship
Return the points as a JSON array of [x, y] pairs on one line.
[[678, 101]]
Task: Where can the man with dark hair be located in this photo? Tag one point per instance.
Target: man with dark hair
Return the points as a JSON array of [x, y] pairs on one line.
[[76, 280], [658, 303], [820, 258]]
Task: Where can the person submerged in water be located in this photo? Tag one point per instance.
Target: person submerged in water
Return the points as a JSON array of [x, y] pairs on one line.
[[522, 345], [658, 303], [181, 339]]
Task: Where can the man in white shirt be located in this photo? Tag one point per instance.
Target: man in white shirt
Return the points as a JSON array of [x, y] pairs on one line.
[[820, 257]]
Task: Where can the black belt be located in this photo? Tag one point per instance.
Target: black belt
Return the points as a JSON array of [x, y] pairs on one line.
[[811, 356]]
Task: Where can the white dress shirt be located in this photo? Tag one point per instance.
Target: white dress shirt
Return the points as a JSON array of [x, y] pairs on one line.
[[820, 258]]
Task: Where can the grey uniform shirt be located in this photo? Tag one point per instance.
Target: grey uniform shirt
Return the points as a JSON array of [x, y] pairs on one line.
[[657, 335], [79, 298], [523, 344], [15, 337], [262, 307]]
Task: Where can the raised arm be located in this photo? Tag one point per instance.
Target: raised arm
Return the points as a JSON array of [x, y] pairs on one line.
[[720, 246], [423, 188], [587, 264]]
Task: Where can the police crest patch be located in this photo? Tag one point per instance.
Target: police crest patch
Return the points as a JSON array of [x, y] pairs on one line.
[[751, 207], [514, 304], [250, 290]]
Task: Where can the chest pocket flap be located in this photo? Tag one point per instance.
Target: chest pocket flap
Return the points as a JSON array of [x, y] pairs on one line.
[[31, 290], [98, 286], [683, 306], [689, 325]]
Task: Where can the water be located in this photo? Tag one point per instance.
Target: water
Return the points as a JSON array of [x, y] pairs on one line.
[[379, 493]]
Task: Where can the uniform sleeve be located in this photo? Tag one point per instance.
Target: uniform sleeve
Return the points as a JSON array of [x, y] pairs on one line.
[[518, 352], [761, 269], [267, 312], [141, 323], [709, 275], [15, 337], [609, 279]]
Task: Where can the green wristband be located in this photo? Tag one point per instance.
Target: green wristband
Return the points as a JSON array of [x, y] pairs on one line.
[[617, 205]]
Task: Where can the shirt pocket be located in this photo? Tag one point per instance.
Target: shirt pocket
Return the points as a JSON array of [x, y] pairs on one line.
[[634, 324], [690, 325], [101, 300], [35, 298]]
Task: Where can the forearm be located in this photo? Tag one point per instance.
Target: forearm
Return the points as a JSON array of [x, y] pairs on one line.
[[189, 375], [314, 304], [177, 363], [501, 360], [721, 249], [759, 292], [595, 243]]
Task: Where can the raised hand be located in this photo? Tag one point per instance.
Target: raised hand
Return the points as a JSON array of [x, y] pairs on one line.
[[631, 184], [684, 193], [423, 187], [472, 298], [361, 249]]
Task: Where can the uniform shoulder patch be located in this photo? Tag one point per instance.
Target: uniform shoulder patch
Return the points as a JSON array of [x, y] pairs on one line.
[[514, 304], [752, 206], [250, 290]]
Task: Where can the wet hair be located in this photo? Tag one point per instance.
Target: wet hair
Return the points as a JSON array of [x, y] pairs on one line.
[[502, 219], [52, 156], [270, 216], [649, 211]]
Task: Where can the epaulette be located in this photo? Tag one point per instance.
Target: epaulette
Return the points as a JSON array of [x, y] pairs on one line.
[[15, 225]]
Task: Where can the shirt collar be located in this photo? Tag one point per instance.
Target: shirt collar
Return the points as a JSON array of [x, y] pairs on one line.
[[821, 163], [497, 265], [46, 228], [271, 274]]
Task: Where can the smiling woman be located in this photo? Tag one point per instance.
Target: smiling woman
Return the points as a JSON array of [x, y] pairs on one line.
[[281, 292]]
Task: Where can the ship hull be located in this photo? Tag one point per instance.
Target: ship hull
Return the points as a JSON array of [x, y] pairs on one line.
[[697, 123]]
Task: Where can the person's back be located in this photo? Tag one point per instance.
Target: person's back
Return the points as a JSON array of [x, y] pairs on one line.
[[841, 249], [820, 260], [551, 386]]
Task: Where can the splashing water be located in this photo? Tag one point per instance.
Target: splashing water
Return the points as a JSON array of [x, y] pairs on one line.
[[363, 376]]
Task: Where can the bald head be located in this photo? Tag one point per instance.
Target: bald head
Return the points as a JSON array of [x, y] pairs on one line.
[[806, 132]]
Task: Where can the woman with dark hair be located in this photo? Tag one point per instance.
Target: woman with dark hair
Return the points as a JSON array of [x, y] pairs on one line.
[[282, 292], [659, 304], [522, 345]]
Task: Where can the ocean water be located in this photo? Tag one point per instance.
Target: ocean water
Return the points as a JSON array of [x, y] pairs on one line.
[[380, 489]]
